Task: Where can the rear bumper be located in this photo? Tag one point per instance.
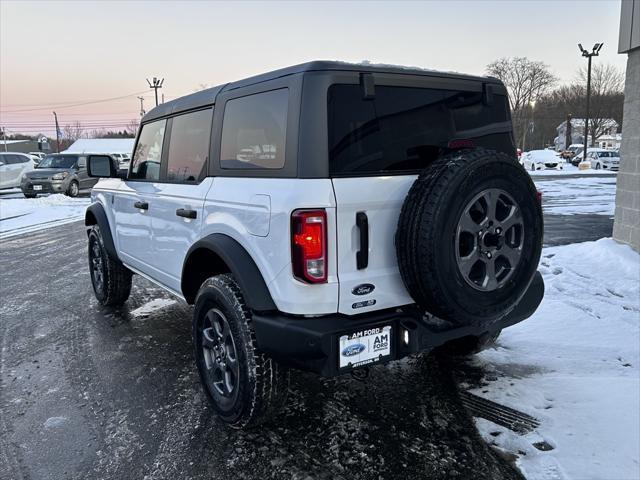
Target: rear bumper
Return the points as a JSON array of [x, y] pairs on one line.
[[312, 343]]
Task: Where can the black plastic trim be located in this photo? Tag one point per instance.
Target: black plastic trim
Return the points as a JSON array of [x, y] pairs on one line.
[[311, 343], [241, 265], [103, 222], [362, 255]]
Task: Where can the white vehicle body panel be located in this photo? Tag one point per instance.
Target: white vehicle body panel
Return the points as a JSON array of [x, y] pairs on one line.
[[381, 199], [256, 212]]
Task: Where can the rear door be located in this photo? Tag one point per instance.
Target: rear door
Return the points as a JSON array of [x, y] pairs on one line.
[[377, 146], [176, 213]]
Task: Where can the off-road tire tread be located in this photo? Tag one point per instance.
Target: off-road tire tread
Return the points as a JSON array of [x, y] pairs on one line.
[[424, 200], [117, 277], [270, 385]]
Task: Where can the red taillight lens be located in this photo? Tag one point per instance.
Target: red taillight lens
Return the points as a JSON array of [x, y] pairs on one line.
[[309, 245], [539, 196]]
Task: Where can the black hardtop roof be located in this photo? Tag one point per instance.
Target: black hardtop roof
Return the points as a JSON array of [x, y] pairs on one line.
[[208, 96]]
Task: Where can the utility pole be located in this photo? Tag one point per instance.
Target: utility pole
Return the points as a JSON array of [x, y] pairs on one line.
[[589, 55], [57, 133], [142, 112], [567, 133], [156, 84]]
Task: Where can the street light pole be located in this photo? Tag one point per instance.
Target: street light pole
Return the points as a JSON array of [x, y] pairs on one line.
[[589, 55], [156, 84]]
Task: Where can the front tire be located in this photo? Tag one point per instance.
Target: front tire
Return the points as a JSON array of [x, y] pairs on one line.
[[110, 279], [598, 166], [245, 386], [73, 189]]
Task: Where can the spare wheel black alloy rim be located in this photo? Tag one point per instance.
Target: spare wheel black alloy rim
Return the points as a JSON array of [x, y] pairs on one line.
[[220, 355], [489, 239], [97, 272]]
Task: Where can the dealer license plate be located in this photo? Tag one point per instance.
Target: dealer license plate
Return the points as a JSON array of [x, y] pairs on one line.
[[364, 347], [37, 187]]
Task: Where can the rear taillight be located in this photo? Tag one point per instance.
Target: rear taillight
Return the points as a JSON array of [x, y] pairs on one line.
[[309, 245], [539, 196]]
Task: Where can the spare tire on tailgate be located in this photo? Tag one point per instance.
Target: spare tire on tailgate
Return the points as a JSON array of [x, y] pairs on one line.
[[469, 236]]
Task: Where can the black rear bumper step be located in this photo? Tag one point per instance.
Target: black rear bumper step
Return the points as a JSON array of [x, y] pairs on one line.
[[312, 343]]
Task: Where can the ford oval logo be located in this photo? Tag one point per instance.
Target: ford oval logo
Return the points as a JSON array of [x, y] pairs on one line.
[[363, 289], [352, 350]]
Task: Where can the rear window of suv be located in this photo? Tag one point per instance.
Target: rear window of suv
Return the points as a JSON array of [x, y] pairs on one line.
[[403, 129], [254, 131]]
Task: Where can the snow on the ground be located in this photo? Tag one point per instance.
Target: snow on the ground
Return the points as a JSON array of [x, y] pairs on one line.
[[574, 365], [572, 196], [22, 215], [152, 306], [571, 170]]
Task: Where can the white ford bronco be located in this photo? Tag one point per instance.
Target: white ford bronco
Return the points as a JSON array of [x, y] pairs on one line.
[[326, 217]]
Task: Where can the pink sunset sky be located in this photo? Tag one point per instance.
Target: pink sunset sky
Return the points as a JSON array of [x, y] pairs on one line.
[[57, 55]]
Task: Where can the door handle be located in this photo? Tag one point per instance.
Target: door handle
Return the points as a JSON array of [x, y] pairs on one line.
[[362, 256], [141, 205], [181, 212]]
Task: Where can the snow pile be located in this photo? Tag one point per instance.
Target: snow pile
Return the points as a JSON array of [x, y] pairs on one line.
[[575, 365], [22, 215], [573, 196], [152, 306]]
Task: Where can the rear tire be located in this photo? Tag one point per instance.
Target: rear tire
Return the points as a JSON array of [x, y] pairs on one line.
[[245, 386], [110, 279]]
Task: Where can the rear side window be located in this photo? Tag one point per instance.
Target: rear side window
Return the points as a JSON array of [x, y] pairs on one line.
[[189, 146], [146, 158], [254, 131], [403, 129]]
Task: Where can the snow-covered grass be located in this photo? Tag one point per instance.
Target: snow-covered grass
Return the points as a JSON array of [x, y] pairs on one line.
[[575, 365], [573, 196], [23, 215]]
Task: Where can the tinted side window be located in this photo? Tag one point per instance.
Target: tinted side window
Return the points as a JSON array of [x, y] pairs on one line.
[[146, 158], [403, 129], [21, 159], [189, 146], [254, 131]]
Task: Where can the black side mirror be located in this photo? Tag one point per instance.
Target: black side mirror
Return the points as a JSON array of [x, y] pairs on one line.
[[101, 166]]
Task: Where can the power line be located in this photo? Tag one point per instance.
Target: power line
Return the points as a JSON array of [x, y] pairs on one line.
[[77, 104]]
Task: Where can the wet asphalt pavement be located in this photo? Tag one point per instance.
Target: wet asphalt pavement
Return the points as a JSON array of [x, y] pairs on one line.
[[92, 392]]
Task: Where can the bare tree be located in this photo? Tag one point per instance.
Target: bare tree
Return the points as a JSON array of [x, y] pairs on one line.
[[132, 127], [526, 81], [72, 132], [607, 96]]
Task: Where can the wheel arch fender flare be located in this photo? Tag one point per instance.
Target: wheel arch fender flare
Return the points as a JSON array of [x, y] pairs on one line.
[[95, 215], [237, 260]]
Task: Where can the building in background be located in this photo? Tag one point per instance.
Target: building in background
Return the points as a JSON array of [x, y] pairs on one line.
[[102, 145], [609, 138], [626, 225], [26, 146]]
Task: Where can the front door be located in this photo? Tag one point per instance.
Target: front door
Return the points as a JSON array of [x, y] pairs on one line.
[[135, 202]]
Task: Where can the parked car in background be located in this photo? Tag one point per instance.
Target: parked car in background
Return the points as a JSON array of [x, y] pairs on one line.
[[12, 167], [58, 173], [38, 156], [123, 160], [541, 159], [604, 159]]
